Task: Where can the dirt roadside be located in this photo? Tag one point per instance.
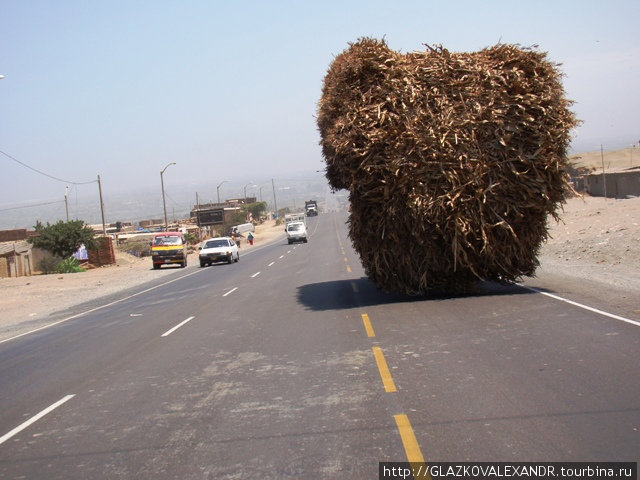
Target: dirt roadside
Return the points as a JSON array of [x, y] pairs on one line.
[[598, 239]]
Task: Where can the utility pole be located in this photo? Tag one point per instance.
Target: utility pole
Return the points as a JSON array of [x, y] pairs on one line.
[[164, 202], [104, 225], [275, 204], [604, 177], [66, 201]]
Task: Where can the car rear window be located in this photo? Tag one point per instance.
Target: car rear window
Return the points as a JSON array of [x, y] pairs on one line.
[[216, 243]]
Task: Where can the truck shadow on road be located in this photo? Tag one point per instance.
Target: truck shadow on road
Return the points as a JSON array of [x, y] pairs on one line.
[[360, 292]]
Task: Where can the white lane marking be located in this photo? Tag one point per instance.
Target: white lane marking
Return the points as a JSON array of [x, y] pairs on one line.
[[282, 256], [199, 270], [271, 264], [230, 291], [169, 332], [35, 418], [585, 307], [255, 275], [99, 308]]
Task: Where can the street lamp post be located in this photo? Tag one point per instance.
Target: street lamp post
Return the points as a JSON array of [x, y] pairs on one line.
[[164, 203], [245, 191], [218, 189]]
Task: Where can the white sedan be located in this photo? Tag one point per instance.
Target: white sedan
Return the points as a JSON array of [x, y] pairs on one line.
[[220, 249]]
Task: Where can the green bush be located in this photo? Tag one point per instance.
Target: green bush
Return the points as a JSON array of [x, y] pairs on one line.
[[69, 265], [63, 238], [191, 238]]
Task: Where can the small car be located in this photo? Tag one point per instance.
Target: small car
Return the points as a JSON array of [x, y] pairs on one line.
[[219, 249], [296, 232]]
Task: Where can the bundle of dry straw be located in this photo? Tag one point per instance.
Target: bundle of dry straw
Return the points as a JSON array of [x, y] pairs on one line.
[[453, 160]]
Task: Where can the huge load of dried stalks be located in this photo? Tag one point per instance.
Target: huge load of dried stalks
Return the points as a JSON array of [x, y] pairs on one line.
[[453, 160]]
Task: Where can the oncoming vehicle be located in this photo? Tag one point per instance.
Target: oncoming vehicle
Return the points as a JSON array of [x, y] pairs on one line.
[[168, 248], [296, 232], [219, 249]]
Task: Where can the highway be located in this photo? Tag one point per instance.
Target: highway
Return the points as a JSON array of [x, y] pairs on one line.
[[290, 364]]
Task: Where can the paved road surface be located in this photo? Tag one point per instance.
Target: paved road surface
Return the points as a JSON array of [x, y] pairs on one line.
[[289, 364]]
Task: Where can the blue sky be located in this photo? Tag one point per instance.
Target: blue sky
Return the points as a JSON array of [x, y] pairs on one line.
[[228, 90]]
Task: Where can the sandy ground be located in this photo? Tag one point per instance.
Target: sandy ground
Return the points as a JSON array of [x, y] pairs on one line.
[[597, 239]]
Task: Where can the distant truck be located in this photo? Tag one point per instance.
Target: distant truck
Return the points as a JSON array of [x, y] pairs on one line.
[[311, 208]]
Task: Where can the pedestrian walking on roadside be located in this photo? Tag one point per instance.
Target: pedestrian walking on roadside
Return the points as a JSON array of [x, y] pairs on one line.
[[250, 238]]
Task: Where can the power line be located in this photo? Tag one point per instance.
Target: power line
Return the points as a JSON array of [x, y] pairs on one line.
[[43, 173], [31, 206]]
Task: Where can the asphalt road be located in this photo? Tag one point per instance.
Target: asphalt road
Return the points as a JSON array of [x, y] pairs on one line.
[[290, 364]]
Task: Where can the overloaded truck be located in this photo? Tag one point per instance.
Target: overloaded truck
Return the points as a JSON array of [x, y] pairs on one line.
[[311, 208], [453, 161]]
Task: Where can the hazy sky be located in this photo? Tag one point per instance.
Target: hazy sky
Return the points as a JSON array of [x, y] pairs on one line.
[[228, 90]]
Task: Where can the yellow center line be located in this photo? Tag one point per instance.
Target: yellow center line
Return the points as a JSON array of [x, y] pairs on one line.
[[348, 269], [367, 325], [387, 381], [411, 447]]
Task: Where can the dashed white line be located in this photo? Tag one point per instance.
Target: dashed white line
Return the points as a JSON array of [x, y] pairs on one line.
[[282, 256], [230, 291], [271, 263], [169, 332], [34, 419], [255, 275]]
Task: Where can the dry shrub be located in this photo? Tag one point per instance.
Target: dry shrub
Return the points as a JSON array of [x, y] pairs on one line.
[[453, 160]]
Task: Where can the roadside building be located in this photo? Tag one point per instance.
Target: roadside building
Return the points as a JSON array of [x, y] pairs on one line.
[[16, 259], [613, 184]]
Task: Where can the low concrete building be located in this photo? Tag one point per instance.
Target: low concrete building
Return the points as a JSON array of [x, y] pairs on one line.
[[16, 259], [619, 184]]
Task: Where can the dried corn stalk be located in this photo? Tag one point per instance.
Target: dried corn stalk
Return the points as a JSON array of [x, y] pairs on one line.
[[453, 160]]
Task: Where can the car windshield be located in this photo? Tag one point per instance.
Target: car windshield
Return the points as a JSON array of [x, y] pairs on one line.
[[216, 243], [294, 227], [167, 240]]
